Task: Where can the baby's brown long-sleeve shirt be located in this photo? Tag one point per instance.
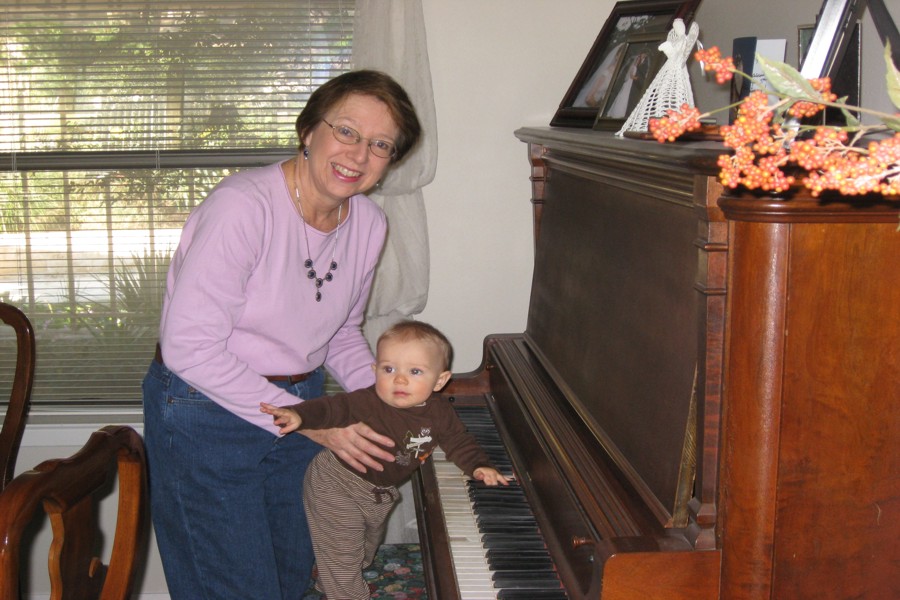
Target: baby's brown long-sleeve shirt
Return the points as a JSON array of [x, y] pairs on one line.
[[416, 431]]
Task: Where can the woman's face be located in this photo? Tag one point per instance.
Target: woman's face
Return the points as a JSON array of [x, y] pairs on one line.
[[340, 170]]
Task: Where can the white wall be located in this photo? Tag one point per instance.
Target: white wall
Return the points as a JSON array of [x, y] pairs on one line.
[[496, 65]]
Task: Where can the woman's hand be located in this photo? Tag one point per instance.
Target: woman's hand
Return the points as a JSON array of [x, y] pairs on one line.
[[358, 445]]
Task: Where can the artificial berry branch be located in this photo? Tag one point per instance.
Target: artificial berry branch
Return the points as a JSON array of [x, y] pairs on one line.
[[770, 146]]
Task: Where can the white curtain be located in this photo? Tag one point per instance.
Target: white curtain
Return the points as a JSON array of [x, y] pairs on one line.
[[389, 35]]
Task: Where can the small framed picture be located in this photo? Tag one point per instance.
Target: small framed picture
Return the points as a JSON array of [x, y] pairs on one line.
[[846, 77], [588, 93], [804, 37], [640, 61]]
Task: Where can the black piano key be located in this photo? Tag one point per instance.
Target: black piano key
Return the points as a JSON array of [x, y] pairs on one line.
[[515, 594], [511, 544], [495, 540], [479, 488], [502, 512], [514, 558], [497, 516], [501, 554], [508, 497], [523, 574], [523, 557], [544, 570], [522, 565], [497, 496], [516, 562], [516, 528], [514, 582]]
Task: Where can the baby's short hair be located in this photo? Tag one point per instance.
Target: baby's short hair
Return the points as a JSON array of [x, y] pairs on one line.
[[417, 330]]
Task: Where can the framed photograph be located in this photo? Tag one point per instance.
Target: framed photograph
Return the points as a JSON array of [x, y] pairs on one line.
[[639, 63], [835, 33], [589, 91], [832, 47], [804, 37]]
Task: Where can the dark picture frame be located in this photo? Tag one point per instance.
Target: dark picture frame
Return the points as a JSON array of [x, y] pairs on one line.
[[833, 35], [638, 65], [804, 37], [846, 78], [588, 92]]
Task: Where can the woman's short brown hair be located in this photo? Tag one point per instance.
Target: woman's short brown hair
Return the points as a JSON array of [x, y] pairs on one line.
[[366, 83]]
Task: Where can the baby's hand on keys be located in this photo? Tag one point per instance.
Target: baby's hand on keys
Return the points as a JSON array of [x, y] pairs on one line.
[[489, 476]]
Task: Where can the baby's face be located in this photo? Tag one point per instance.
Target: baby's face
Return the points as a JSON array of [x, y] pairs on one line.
[[407, 372]]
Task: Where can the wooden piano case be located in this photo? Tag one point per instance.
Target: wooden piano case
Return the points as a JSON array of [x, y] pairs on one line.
[[703, 403]]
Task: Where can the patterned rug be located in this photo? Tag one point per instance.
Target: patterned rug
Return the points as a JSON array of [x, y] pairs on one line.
[[396, 573]]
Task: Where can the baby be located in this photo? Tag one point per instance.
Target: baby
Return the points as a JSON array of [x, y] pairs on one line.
[[347, 511]]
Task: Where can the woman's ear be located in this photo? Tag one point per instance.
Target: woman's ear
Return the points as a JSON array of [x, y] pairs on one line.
[[442, 380]]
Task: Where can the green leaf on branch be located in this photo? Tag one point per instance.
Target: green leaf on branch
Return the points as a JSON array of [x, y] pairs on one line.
[[786, 80], [892, 122], [853, 123], [893, 77]]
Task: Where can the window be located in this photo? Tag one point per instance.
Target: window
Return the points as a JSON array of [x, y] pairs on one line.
[[117, 118]]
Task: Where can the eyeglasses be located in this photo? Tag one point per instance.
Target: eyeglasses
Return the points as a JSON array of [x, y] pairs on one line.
[[350, 136]]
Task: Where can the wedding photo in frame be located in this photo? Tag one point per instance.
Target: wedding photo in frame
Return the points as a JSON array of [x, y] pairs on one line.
[[626, 34], [640, 61]]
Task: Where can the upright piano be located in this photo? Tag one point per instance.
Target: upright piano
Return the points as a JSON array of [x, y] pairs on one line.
[[704, 402]]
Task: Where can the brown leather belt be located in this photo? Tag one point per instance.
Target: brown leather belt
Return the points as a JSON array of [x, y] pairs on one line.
[[292, 379]]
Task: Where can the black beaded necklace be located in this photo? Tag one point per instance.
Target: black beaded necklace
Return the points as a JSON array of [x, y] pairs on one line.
[[308, 263]]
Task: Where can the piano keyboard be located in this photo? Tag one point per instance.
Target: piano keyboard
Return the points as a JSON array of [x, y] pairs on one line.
[[497, 549]]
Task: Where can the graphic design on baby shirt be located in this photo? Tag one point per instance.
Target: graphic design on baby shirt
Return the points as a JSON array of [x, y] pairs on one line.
[[415, 447]]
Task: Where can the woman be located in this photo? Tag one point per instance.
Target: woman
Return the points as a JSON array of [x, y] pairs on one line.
[[268, 285]]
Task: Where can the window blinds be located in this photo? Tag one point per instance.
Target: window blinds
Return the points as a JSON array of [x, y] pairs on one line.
[[117, 118], [82, 76]]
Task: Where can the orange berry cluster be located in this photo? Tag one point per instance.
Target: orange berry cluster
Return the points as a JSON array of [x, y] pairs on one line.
[[762, 149], [675, 123], [712, 60], [853, 171], [752, 171], [759, 151], [804, 108]]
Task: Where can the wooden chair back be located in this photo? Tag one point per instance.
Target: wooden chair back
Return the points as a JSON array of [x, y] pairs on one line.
[[20, 396], [68, 490]]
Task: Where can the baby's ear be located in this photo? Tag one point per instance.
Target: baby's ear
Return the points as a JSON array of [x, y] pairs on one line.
[[442, 380]]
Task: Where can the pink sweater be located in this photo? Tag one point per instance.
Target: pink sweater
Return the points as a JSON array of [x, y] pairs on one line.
[[239, 304]]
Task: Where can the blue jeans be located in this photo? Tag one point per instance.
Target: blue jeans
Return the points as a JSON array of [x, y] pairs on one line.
[[226, 497]]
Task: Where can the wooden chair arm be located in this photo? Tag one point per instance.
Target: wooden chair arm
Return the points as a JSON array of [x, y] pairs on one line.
[[68, 489], [20, 395]]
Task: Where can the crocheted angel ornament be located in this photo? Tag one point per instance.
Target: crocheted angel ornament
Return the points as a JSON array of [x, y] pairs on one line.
[[671, 88]]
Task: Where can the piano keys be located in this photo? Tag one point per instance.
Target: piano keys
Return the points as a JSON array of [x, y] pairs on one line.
[[702, 405], [495, 542]]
